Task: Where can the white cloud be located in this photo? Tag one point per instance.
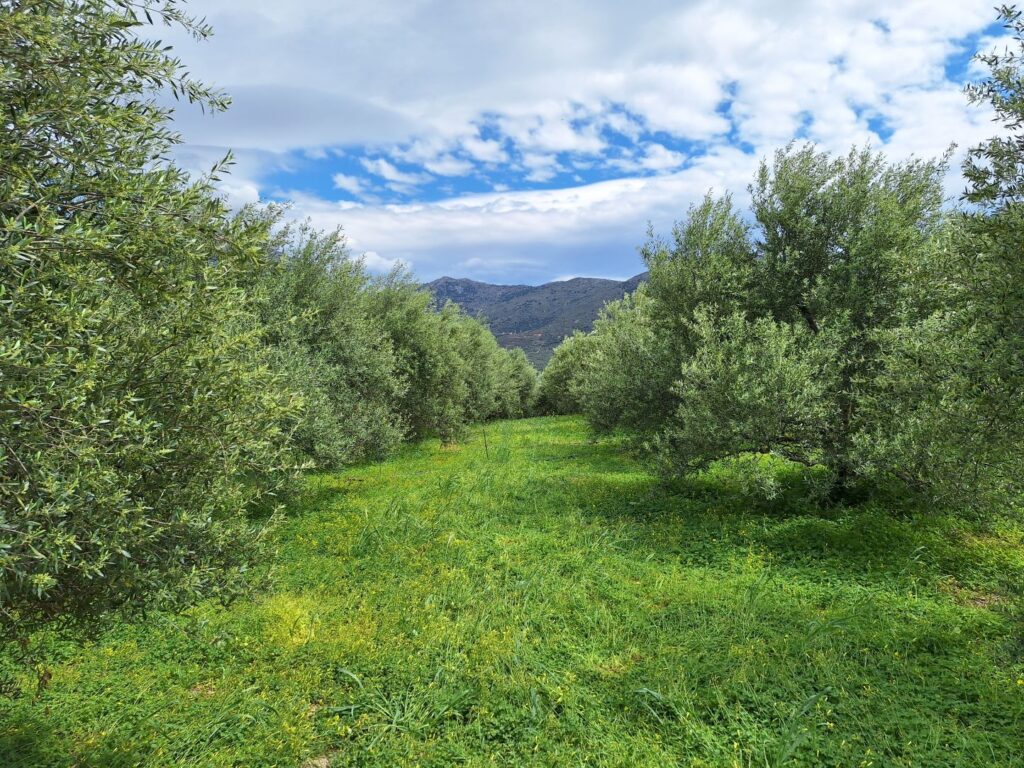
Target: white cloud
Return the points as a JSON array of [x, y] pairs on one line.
[[497, 265], [351, 184], [450, 88], [677, 99], [446, 165], [377, 263], [656, 157], [485, 150], [402, 180], [381, 71], [603, 219], [549, 129], [541, 167], [275, 117]]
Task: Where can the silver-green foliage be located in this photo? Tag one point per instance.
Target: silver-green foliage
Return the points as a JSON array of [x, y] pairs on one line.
[[558, 385], [314, 302], [954, 374], [758, 338], [498, 382], [138, 418], [517, 384], [751, 386], [453, 370], [165, 364], [627, 381], [428, 356], [853, 325]]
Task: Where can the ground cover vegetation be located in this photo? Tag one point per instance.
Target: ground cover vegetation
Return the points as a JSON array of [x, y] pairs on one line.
[[539, 598]]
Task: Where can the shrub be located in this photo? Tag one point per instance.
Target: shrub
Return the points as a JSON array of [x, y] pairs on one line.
[[948, 406], [140, 420], [626, 383], [761, 338], [429, 356], [558, 385], [517, 385], [314, 303], [750, 387]]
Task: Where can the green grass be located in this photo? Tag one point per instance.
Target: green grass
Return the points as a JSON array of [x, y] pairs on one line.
[[544, 600]]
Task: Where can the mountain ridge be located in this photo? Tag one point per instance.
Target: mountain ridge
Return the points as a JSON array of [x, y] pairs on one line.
[[534, 318]]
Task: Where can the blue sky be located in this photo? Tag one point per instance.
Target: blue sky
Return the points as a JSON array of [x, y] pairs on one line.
[[528, 141]]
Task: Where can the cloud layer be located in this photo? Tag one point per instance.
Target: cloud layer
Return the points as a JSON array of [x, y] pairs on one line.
[[522, 141]]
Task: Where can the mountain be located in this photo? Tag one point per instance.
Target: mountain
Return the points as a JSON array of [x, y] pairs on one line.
[[534, 318]]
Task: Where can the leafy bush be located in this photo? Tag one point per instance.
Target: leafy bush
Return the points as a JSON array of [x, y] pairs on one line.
[[750, 387], [314, 302], [948, 405], [626, 383], [836, 237], [479, 363], [855, 326], [452, 367], [499, 382], [517, 383], [764, 338], [428, 358], [140, 420], [558, 385]]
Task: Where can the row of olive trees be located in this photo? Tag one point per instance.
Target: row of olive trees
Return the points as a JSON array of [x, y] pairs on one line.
[[850, 322], [374, 362], [166, 365]]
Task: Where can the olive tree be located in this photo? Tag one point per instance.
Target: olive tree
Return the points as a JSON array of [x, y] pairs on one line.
[[517, 388], [428, 356], [949, 405], [559, 382], [761, 337], [314, 306], [138, 418]]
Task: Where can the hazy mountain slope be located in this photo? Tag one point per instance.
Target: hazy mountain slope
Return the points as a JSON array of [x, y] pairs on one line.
[[534, 318]]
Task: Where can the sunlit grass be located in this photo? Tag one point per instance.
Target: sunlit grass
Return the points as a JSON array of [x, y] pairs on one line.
[[545, 600]]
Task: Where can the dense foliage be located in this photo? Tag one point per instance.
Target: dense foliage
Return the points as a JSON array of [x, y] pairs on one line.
[[850, 323], [454, 370], [314, 304], [166, 365], [556, 388], [954, 380], [374, 361], [139, 419], [757, 339]]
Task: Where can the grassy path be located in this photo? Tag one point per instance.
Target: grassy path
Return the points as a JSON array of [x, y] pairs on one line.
[[546, 602]]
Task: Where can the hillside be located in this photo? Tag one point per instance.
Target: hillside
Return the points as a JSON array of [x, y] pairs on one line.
[[534, 318], [542, 599]]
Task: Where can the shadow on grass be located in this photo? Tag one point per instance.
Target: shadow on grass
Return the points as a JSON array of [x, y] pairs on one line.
[[319, 492], [717, 515], [23, 735]]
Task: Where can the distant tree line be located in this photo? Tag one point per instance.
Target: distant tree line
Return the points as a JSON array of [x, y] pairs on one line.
[[374, 362], [167, 365], [851, 322]]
